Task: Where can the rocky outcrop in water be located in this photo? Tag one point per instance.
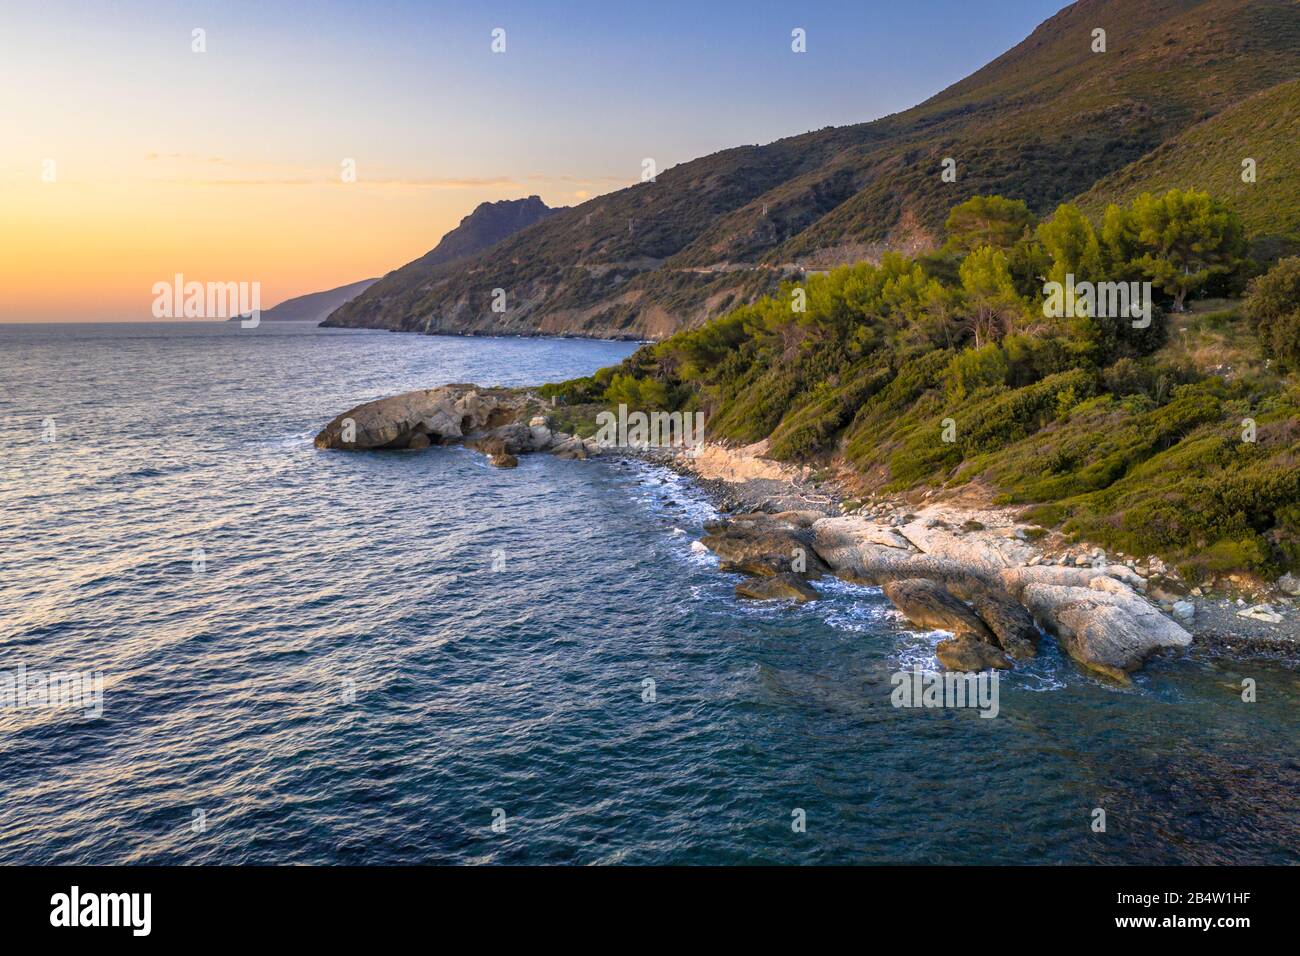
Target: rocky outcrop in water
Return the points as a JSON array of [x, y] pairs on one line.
[[427, 416], [930, 605], [775, 551], [1108, 631], [967, 653], [499, 422], [763, 545]]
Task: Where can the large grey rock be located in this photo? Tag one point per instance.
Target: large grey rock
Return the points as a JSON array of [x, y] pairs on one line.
[[541, 436], [1016, 579], [513, 438], [571, 447], [1110, 633], [444, 414], [851, 547], [1099, 617], [985, 551], [796, 519]]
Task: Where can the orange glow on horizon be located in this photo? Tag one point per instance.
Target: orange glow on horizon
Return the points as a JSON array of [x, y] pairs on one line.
[[82, 250]]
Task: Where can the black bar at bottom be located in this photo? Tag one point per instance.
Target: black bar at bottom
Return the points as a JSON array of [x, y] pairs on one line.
[[334, 905]]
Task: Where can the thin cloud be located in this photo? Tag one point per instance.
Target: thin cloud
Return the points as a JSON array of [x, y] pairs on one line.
[[464, 183], [287, 174]]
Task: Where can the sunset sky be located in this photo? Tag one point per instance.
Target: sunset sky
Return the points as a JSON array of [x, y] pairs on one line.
[[226, 165]]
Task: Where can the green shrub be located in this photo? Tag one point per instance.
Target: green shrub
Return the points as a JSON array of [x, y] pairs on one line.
[[973, 369], [1273, 307]]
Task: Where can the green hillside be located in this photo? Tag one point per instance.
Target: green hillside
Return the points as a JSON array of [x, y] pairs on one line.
[[1042, 123], [1266, 128], [947, 374]]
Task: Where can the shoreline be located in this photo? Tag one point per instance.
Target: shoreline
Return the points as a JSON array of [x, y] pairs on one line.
[[638, 340], [949, 561], [1215, 625]]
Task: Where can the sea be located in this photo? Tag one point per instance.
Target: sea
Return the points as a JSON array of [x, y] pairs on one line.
[[272, 654]]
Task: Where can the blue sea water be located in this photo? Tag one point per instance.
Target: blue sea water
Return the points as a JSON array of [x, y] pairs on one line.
[[318, 657]]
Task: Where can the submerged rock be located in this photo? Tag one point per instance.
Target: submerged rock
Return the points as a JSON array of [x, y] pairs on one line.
[[967, 653], [785, 586]]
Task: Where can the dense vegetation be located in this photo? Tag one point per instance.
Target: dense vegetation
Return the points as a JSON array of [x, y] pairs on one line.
[[1180, 439]]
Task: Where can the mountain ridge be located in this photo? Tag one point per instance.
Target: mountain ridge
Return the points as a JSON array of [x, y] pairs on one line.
[[1043, 122], [487, 225], [313, 306]]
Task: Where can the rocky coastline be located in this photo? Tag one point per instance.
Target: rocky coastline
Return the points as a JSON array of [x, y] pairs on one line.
[[996, 584]]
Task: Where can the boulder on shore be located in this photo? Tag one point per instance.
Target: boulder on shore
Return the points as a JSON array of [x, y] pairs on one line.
[[1112, 634], [929, 604], [574, 448]]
